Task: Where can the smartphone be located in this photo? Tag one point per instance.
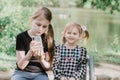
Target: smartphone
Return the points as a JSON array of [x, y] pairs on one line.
[[37, 38]]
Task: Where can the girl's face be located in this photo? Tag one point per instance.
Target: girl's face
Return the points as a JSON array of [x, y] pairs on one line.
[[40, 25], [72, 35]]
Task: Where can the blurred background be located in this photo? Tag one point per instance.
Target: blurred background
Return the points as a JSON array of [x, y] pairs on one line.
[[101, 17]]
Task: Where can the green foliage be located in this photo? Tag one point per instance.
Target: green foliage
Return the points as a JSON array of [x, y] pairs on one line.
[[52, 3], [105, 57], [29, 3], [7, 62], [11, 25], [55, 3], [80, 3], [112, 4], [3, 68], [4, 21], [101, 4], [7, 45], [114, 45], [1, 7], [15, 22], [112, 58]]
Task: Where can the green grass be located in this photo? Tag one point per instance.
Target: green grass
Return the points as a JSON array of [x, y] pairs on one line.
[[7, 62], [112, 58]]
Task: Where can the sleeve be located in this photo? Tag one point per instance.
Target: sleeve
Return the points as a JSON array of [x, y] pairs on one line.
[[81, 69], [55, 65], [19, 43]]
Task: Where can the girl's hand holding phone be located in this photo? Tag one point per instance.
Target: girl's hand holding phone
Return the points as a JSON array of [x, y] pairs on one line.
[[36, 46]]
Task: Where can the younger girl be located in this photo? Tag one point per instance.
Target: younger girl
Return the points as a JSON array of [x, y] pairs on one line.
[[70, 60], [33, 57]]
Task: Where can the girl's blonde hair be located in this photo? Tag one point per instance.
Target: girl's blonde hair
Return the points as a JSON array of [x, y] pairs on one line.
[[49, 35], [83, 34]]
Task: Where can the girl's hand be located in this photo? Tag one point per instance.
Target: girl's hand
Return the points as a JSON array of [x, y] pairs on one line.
[[63, 78], [71, 78], [36, 48]]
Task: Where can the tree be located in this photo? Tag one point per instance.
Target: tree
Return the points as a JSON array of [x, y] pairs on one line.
[[101, 4]]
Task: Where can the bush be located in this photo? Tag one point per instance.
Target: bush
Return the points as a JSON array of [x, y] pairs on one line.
[[4, 21], [29, 3], [12, 24]]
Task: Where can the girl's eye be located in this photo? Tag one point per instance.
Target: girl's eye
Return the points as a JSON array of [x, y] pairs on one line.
[[69, 32], [38, 24], [44, 26], [75, 33]]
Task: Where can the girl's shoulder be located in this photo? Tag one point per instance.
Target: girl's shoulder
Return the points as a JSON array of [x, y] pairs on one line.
[[82, 52], [81, 48], [22, 33], [58, 46]]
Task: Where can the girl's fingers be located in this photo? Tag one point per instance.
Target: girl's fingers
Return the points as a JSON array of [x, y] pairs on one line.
[[38, 52], [36, 43], [36, 48]]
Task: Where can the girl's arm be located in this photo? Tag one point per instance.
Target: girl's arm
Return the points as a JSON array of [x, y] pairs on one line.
[[55, 66], [45, 61], [38, 52], [82, 69], [22, 59]]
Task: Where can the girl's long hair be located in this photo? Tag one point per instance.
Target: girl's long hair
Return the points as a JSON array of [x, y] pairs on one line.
[[50, 33]]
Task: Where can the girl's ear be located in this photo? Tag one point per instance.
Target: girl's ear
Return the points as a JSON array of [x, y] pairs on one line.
[[80, 37], [62, 33]]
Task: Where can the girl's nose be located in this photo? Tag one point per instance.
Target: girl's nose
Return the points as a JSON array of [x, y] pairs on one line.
[[40, 28], [71, 34]]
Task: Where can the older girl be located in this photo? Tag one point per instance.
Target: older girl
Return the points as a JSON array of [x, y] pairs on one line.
[[34, 58]]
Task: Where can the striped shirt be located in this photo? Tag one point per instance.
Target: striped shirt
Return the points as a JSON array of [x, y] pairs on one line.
[[69, 62]]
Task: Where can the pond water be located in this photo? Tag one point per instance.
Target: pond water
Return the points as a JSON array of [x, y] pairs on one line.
[[104, 28]]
